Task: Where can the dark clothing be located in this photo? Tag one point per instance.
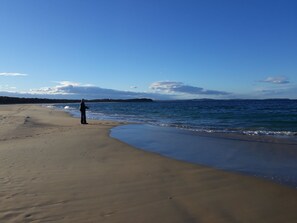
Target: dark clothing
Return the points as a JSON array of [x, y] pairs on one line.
[[83, 117], [82, 108]]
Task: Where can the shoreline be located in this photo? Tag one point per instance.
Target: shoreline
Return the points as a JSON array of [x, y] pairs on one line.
[[54, 169], [271, 158]]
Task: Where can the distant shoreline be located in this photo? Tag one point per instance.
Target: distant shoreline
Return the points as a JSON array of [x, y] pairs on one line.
[[17, 100], [24, 100]]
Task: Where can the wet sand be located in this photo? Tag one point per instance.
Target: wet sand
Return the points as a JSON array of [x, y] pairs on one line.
[[272, 158], [52, 169]]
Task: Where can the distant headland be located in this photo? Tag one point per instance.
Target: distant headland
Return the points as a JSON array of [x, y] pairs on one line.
[[17, 100]]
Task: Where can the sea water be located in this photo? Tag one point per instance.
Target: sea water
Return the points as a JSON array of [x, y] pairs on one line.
[[250, 117]]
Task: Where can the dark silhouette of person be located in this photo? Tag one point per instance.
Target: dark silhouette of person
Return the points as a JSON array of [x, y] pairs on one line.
[[82, 108]]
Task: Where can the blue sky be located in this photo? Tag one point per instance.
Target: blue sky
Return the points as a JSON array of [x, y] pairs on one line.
[[165, 49]]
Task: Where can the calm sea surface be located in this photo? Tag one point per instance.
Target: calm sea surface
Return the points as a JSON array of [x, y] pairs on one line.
[[252, 117]]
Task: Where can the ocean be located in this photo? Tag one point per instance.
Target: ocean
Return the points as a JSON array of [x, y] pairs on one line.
[[249, 117], [253, 137]]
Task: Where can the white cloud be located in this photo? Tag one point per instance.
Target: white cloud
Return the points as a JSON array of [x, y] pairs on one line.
[[67, 83], [63, 88], [78, 90], [165, 90], [162, 90], [12, 74], [276, 91], [7, 88], [276, 80], [172, 87]]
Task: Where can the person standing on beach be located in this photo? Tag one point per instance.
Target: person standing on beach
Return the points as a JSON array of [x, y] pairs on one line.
[[82, 108]]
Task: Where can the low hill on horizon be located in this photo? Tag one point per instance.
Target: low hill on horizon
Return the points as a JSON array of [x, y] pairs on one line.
[[17, 100]]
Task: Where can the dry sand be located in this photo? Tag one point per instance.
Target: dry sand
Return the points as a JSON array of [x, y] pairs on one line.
[[52, 169]]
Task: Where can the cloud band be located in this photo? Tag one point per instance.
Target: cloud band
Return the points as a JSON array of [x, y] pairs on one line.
[[12, 74]]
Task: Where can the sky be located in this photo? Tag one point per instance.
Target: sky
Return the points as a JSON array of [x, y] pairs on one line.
[[159, 49]]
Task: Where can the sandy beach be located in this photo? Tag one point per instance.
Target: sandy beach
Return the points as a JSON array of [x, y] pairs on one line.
[[52, 169]]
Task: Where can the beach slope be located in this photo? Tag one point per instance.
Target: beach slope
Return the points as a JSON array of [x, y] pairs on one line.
[[52, 169]]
